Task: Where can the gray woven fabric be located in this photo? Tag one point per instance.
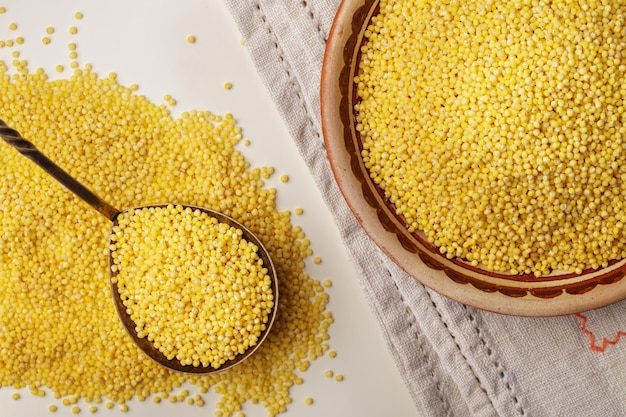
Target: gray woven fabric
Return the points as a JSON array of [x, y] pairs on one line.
[[455, 360]]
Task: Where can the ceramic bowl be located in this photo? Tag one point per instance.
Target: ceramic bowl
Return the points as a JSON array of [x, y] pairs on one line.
[[525, 295]]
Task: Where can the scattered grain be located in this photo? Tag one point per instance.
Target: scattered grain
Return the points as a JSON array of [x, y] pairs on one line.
[[119, 142]]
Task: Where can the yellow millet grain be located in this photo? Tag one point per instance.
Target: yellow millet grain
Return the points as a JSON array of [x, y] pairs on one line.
[[169, 99], [195, 287], [267, 172], [61, 328], [497, 128]]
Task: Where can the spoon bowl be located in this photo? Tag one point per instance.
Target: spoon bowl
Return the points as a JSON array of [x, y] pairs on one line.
[[148, 347], [26, 148]]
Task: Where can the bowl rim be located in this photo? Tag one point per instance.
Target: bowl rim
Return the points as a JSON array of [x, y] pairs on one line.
[[551, 295]]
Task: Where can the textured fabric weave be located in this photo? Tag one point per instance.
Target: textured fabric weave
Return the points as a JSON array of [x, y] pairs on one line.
[[455, 360]]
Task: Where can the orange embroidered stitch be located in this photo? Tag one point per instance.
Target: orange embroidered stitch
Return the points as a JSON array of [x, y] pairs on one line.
[[592, 339]]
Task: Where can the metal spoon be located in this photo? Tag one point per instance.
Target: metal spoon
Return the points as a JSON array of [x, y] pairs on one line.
[[26, 148]]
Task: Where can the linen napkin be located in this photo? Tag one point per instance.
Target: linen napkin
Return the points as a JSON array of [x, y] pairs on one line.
[[455, 360]]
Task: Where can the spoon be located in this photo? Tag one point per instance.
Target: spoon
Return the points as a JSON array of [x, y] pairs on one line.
[[26, 148]]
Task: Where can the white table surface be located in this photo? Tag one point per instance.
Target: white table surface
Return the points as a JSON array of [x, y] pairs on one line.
[[145, 42]]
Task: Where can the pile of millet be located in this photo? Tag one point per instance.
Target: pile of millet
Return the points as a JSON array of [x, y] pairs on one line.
[[191, 284], [60, 334], [496, 128]]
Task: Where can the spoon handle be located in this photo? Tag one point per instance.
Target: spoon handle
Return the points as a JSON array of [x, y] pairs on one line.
[[26, 148]]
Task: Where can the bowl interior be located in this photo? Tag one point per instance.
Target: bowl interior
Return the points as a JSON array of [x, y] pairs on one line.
[[521, 294]]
